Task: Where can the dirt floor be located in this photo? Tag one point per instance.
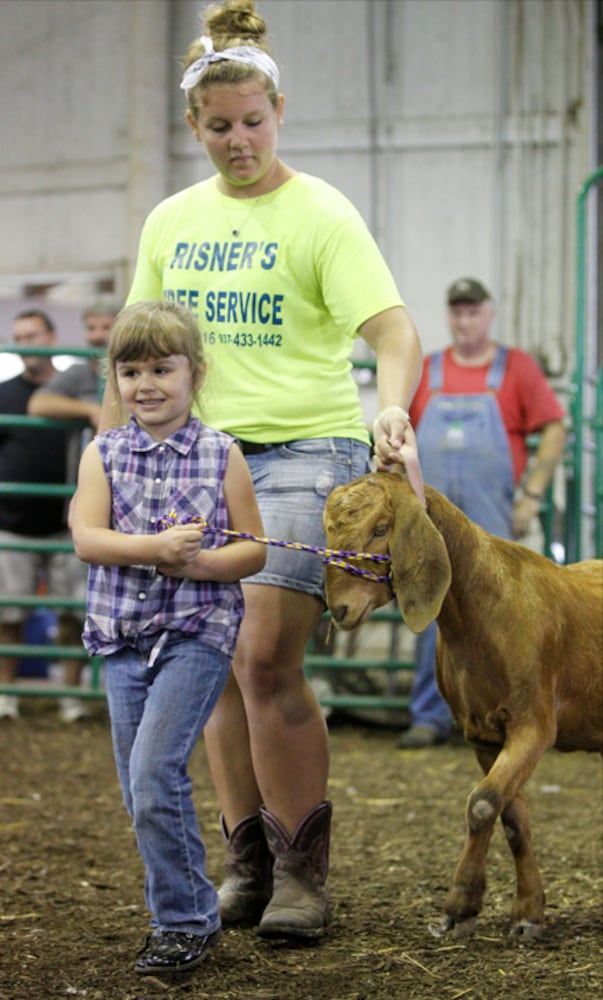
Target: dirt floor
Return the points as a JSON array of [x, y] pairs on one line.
[[72, 915]]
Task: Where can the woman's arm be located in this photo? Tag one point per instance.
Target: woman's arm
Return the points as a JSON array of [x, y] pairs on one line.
[[96, 542], [395, 341], [238, 558]]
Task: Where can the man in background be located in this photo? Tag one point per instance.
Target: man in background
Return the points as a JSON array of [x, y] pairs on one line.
[[476, 404], [76, 392], [34, 455]]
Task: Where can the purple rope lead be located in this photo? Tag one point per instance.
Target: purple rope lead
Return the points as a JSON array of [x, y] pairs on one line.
[[335, 557]]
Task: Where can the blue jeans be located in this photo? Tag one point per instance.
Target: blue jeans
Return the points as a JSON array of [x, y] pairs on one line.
[[157, 716]]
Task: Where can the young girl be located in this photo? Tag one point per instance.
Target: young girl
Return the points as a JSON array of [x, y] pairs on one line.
[[164, 606]]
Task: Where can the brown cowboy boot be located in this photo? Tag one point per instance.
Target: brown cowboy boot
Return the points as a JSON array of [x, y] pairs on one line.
[[247, 885], [299, 906]]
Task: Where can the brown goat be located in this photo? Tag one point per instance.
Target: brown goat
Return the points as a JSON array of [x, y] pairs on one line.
[[519, 656]]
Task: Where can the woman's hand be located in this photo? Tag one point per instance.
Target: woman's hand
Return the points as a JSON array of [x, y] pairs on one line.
[[395, 445], [390, 433]]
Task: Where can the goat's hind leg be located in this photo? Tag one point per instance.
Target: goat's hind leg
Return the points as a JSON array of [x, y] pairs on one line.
[[528, 907]]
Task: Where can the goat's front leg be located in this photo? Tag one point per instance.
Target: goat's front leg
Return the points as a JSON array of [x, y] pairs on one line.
[[528, 907], [506, 774], [465, 896]]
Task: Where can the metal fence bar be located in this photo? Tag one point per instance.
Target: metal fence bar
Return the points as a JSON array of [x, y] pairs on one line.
[[20, 650], [324, 661], [573, 543], [45, 690], [53, 352], [598, 428], [40, 601], [49, 423], [36, 490]]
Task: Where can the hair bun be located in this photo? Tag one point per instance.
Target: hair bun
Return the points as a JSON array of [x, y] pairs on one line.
[[234, 21]]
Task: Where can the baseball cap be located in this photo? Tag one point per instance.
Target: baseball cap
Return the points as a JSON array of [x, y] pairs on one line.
[[467, 290]]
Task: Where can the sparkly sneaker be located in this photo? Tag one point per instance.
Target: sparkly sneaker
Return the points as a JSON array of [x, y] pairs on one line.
[[170, 952], [9, 706]]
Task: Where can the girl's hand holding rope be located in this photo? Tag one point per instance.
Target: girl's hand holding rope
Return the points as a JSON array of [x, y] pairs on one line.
[[178, 545], [343, 559]]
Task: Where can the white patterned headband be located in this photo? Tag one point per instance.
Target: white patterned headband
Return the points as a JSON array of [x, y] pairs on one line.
[[248, 54]]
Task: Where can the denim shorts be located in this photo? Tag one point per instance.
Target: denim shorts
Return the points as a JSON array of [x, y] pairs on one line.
[[292, 482]]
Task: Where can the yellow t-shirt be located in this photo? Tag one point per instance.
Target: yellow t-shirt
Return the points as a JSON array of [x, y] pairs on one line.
[[278, 304]]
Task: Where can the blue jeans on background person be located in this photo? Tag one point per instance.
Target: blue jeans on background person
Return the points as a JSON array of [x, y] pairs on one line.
[[158, 714], [427, 706]]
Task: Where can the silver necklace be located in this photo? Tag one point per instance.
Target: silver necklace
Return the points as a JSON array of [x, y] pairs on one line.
[[236, 230]]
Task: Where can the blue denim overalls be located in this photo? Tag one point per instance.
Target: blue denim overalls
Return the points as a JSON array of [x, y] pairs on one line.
[[465, 454]]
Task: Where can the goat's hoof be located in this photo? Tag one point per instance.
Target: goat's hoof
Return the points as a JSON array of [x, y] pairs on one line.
[[439, 930], [463, 928], [527, 931]]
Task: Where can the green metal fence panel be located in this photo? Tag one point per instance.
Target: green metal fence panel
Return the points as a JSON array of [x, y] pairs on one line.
[[313, 661], [33, 602]]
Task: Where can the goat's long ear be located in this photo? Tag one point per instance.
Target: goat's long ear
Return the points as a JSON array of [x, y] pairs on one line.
[[420, 564]]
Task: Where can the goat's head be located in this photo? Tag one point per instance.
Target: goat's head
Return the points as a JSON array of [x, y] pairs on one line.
[[380, 513], [357, 518]]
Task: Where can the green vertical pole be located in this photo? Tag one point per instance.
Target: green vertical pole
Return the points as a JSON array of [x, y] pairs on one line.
[[599, 467], [574, 511]]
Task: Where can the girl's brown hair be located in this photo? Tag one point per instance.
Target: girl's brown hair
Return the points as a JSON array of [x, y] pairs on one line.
[[155, 330]]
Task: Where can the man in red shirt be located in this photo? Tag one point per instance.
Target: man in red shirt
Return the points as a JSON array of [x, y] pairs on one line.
[[474, 408]]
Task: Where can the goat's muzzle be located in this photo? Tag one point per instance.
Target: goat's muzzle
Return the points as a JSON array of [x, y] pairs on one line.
[[339, 613]]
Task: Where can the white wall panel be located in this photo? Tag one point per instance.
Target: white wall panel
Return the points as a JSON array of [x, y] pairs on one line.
[[434, 242], [69, 146], [437, 58], [64, 71]]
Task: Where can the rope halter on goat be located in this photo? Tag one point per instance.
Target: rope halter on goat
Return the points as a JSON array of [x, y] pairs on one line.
[[335, 557]]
